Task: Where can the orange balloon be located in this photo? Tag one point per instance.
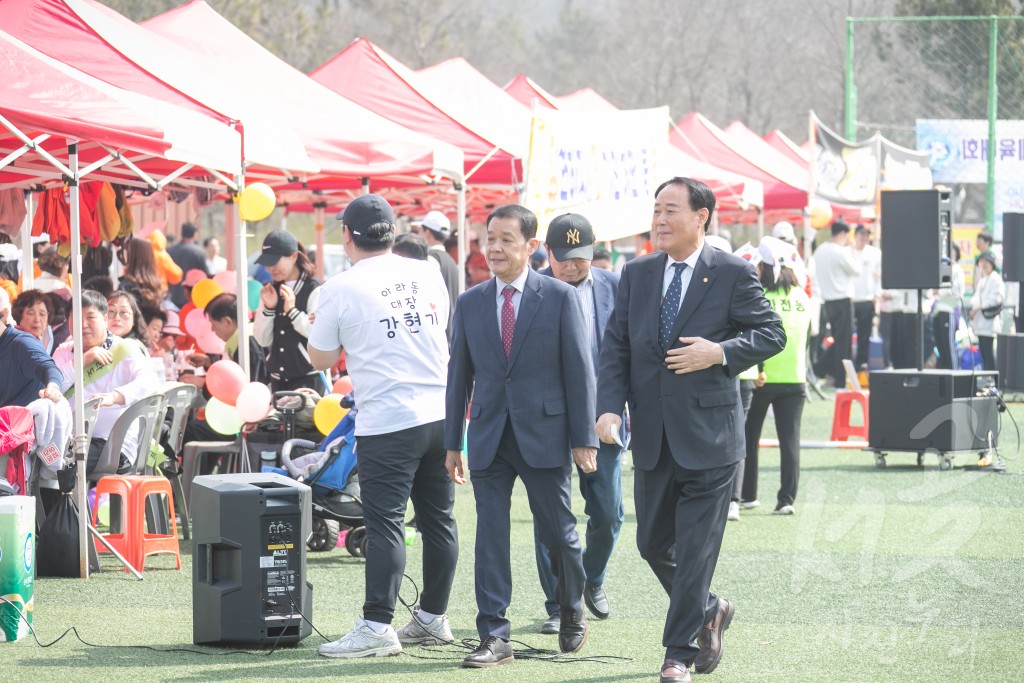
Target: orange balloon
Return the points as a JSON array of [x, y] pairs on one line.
[[343, 385]]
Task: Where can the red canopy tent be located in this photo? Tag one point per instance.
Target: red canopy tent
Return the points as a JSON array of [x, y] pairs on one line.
[[784, 144], [585, 99], [526, 92]]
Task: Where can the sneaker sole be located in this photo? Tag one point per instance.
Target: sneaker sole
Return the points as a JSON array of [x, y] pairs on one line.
[[380, 652], [487, 665], [425, 641]]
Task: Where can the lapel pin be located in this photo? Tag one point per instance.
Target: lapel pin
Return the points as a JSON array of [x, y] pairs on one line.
[[705, 279]]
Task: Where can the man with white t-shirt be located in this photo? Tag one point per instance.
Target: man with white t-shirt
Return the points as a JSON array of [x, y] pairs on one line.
[[867, 288], [836, 269], [389, 315]]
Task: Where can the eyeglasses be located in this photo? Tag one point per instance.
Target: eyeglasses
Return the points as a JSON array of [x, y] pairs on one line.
[[122, 314]]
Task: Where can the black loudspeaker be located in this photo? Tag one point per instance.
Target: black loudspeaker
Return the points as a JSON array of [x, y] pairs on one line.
[[249, 583], [942, 410], [1013, 247], [1010, 361], [915, 227]]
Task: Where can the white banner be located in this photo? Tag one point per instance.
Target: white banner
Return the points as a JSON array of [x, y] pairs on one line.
[[604, 166], [959, 149]]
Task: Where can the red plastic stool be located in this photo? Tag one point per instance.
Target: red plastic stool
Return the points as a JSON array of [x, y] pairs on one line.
[[121, 487], [144, 544], [842, 430]]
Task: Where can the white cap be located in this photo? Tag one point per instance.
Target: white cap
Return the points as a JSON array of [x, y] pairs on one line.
[[783, 230], [718, 242], [438, 222]]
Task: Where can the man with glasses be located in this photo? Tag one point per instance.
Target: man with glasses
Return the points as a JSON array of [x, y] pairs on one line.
[[115, 369]]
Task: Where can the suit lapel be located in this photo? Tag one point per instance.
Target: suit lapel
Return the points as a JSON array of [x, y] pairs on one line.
[[527, 310], [489, 313], [700, 282]]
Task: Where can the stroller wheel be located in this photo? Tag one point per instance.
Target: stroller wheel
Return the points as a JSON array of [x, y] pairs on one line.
[[355, 542], [324, 536]]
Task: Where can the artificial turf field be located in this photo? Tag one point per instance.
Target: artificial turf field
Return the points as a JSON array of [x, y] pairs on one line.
[[902, 574]]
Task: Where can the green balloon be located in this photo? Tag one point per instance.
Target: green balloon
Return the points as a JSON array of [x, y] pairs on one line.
[[253, 294]]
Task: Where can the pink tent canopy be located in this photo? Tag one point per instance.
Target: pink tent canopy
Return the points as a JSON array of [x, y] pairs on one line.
[[369, 76], [785, 186], [364, 145], [784, 144], [585, 99], [526, 92]]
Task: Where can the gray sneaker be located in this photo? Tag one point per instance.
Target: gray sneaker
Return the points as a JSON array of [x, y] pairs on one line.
[[363, 641], [437, 632], [784, 510]]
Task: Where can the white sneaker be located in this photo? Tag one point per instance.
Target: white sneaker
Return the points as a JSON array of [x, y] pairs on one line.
[[363, 641], [437, 632], [784, 510], [734, 511], [750, 504]]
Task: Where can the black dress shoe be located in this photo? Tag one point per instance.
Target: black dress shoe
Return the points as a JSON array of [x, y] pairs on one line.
[[597, 601], [551, 625], [573, 631], [673, 671], [710, 638], [492, 652]]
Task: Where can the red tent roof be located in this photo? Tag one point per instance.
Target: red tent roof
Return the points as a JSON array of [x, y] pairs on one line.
[[784, 144], [367, 145], [526, 92], [785, 186], [585, 99], [104, 44], [369, 76]]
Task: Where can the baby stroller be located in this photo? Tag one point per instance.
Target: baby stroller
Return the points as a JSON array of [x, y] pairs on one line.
[[330, 470]]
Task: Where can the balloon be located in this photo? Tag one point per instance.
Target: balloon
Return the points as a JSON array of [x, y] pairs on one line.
[[821, 215], [225, 380], [253, 288], [342, 386], [210, 343], [203, 291], [328, 413], [227, 280], [222, 418], [253, 403], [256, 202], [197, 324]]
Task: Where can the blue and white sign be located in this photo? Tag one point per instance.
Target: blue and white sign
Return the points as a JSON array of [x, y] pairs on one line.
[[959, 151]]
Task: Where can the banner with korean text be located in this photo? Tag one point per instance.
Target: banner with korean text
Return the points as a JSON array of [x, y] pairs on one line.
[[958, 149], [603, 165]]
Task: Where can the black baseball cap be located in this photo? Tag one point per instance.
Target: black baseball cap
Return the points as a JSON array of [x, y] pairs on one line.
[[364, 211], [275, 245], [571, 236]]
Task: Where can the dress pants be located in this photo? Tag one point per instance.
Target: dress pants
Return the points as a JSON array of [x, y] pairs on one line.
[[746, 395], [840, 319], [602, 493], [392, 469], [787, 401], [549, 491], [864, 316], [681, 516], [986, 344], [945, 347]]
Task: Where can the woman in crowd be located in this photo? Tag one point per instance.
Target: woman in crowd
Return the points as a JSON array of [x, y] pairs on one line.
[[124, 319], [54, 269], [140, 275], [986, 308], [283, 319], [780, 384], [32, 311]]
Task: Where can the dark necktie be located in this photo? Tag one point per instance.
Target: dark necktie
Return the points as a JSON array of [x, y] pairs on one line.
[[508, 319], [670, 307]]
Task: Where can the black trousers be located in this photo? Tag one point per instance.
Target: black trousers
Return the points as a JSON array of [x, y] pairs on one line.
[[864, 316], [681, 516], [394, 468], [746, 396], [945, 348], [988, 353], [886, 329], [787, 402], [840, 319]]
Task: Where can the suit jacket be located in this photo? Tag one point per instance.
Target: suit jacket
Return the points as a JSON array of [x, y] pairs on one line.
[[700, 412], [546, 387], [606, 284]]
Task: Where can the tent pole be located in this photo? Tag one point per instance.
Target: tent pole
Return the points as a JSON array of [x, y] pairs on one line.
[[241, 280], [321, 255], [811, 180], [461, 226], [28, 273], [229, 234], [366, 185], [81, 446]]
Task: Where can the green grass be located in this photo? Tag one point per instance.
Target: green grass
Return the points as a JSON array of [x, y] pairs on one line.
[[902, 574]]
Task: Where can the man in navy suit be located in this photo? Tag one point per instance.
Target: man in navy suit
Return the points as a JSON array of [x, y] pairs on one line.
[[687, 321], [570, 247], [519, 352]]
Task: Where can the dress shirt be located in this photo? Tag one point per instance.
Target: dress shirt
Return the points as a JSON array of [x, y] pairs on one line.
[[519, 283]]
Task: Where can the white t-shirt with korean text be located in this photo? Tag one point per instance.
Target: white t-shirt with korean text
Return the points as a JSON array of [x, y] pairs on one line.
[[389, 314]]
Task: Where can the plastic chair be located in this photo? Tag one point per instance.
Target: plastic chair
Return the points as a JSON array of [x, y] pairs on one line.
[[142, 544], [191, 455], [842, 430], [178, 403]]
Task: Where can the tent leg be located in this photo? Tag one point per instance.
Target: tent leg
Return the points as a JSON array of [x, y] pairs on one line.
[[241, 279], [120, 558]]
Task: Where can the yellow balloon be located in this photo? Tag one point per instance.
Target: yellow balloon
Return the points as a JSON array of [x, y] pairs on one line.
[[328, 413], [256, 202], [204, 291], [222, 418], [821, 215]]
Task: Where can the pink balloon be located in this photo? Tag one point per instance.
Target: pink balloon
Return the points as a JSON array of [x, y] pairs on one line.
[[225, 380], [210, 343], [228, 281], [197, 324], [253, 403]]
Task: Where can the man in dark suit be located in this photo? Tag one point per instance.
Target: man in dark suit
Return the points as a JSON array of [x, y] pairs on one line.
[[570, 248], [687, 321], [519, 350]]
